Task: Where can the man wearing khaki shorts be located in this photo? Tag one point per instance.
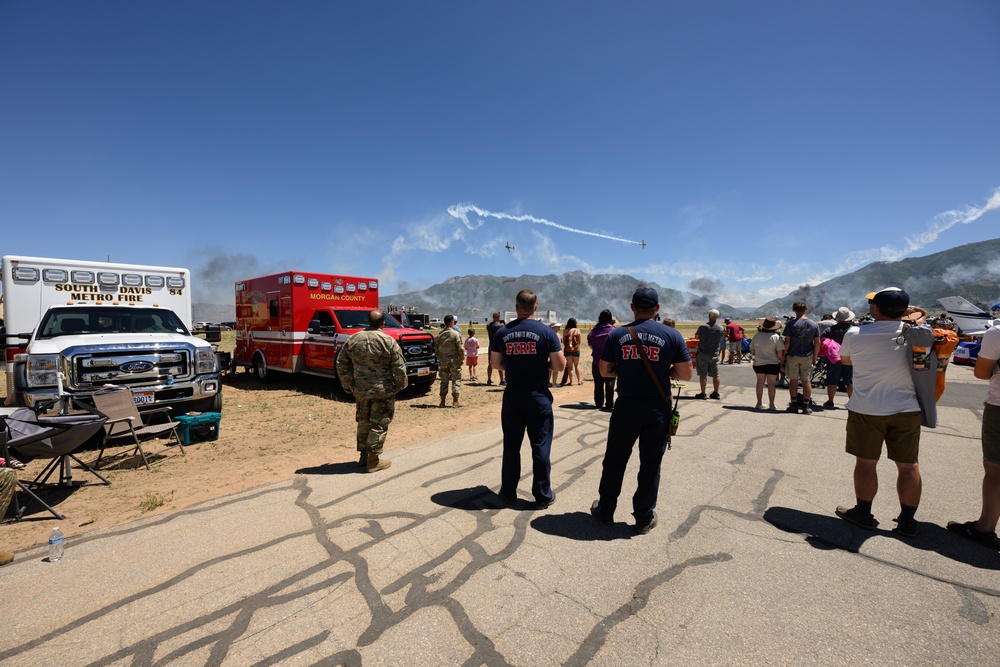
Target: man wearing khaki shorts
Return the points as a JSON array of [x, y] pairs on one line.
[[801, 349], [883, 408]]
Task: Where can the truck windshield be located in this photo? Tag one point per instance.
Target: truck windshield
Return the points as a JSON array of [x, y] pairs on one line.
[[75, 321], [358, 319]]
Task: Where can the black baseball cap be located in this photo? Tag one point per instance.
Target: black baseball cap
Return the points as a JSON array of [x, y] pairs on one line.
[[645, 297], [891, 301]]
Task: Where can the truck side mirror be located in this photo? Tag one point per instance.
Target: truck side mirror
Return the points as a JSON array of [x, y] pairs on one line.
[[314, 327]]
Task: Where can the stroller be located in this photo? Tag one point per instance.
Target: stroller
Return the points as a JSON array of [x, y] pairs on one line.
[[33, 433]]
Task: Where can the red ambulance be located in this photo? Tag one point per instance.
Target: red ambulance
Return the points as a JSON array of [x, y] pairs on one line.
[[296, 322]]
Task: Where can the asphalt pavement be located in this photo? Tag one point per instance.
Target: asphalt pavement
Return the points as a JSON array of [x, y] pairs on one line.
[[423, 564]]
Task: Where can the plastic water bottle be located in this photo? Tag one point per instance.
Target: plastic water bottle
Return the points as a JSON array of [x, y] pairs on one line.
[[55, 545]]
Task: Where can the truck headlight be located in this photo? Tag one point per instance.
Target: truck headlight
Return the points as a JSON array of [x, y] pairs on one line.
[[42, 370], [206, 361]]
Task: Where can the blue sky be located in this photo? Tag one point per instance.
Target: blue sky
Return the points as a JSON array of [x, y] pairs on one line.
[[753, 146]]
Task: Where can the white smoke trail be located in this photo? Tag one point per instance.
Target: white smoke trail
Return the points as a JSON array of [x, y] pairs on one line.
[[939, 224], [461, 212]]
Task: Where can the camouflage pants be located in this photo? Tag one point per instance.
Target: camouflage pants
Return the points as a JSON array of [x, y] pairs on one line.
[[374, 416], [8, 484], [450, 373]]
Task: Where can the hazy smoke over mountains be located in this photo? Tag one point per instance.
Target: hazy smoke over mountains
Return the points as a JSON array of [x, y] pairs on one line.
[[706, 290], [971, 271]]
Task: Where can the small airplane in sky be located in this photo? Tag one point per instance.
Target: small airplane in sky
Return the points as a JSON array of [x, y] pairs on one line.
[[969, 318], [509, 247], [643, 244]]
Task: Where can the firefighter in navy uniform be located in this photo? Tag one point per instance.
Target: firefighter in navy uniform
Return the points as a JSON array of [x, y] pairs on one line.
[[527, 350], [640, 411]]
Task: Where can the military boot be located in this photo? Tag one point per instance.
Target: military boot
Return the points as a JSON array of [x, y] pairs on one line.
[[443, 404], [455, 403], [363, 458], [375, 463]]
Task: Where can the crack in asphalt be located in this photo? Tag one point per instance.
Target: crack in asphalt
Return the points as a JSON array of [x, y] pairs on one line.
[[594, 641]]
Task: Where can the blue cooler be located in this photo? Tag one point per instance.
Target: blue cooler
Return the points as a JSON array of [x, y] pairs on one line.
[[966, 353], [200, 427]]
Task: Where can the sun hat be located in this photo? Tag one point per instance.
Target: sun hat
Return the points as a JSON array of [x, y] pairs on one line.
[[843, 314], [645, 297], [769, 324]]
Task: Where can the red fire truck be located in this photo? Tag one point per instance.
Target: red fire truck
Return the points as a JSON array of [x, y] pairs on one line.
[[296, 322]]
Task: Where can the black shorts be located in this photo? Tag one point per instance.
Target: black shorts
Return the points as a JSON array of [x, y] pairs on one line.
[[838, 372], [767, 369]]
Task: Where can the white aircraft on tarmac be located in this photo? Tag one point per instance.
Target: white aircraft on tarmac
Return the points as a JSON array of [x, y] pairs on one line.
[[970, 320]]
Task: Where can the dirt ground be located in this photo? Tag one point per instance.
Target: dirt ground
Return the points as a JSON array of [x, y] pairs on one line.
[[268, 433]]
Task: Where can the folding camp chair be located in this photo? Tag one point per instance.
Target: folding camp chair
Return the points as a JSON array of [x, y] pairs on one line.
[[125, 422], [32, 434]]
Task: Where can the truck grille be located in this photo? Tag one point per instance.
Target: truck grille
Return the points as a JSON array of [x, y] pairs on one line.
[[130, 368], [416, 347]]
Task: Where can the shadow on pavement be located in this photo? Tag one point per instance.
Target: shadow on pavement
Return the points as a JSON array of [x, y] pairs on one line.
[[476, 499], [582, 405], [743, 408], [345, 468], [581, 526], [831, 532]]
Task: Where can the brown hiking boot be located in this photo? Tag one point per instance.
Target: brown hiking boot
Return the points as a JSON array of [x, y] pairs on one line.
[[375, 463], [455, 403], [6, 557]]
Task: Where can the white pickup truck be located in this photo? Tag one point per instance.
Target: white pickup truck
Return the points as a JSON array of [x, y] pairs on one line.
[[77, 327]]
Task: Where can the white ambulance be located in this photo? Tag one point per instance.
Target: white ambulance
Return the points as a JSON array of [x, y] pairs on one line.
[[81, 326]]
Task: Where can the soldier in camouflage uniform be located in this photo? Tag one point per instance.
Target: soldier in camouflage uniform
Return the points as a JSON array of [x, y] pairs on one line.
[[371, 366], [450, 354]]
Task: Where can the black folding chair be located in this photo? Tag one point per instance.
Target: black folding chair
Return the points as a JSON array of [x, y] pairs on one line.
[[32, 434]]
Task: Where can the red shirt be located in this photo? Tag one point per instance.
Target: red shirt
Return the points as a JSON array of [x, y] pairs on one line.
[[733, 332]]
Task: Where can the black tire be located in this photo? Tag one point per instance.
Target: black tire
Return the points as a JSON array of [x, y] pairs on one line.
[[818, 377], [20, 383], [217, 403], [260, 370]]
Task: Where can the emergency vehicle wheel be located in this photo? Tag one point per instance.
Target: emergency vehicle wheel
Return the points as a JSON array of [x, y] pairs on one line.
[[20, 384], [260, 370]]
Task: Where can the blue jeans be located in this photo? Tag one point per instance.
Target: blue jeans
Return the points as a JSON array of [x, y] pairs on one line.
[[527, 410], [646, 420]]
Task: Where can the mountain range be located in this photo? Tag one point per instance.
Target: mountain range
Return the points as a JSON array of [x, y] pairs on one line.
[[574, 294], [971, 270]]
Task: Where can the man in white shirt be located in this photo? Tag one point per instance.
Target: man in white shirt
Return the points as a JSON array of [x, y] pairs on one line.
[[883, 409], [984, 531]]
